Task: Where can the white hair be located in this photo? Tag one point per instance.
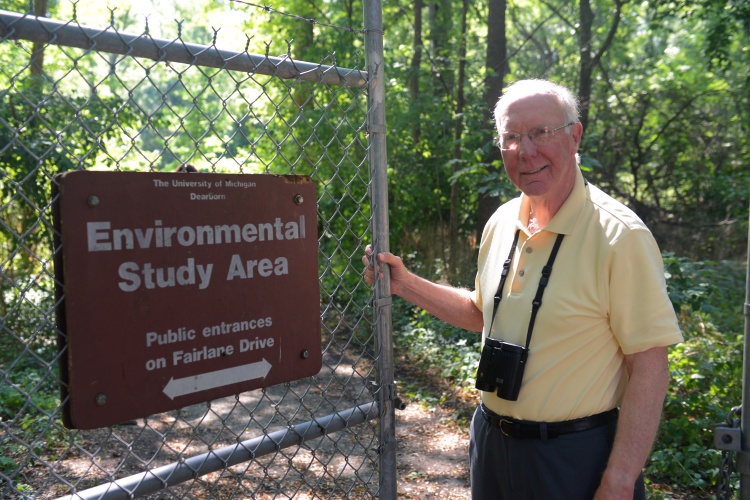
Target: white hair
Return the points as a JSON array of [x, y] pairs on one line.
[[522, 88]]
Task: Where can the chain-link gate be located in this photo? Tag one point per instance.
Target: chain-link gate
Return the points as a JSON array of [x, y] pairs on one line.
[[732, 437], [728, 439], [79, 98]]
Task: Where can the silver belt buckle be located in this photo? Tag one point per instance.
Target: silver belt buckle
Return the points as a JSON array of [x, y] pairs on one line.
[[500, 425]]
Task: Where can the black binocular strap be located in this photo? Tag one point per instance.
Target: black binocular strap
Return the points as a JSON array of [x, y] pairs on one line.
[[546, 272], [537, 302], [503, 276]]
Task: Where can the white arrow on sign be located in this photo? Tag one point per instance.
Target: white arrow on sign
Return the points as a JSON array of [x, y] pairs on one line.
[[220, 378]]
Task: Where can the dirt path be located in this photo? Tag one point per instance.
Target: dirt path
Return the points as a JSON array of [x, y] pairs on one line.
[[432, 454], [433, 439]]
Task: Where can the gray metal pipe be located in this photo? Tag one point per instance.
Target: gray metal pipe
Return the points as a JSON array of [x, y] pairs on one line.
[[179, 472], [42, 30], [744, 458], [377, 155]]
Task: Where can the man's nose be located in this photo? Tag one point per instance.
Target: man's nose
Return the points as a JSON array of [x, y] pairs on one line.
[[526, 145]]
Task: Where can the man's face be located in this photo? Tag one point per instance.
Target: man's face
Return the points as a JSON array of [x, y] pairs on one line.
[[541, 170]]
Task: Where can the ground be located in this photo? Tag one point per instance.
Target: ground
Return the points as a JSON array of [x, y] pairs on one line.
[[432, 449], [433, 437]]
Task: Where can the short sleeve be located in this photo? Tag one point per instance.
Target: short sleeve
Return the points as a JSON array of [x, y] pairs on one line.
[[641, 314]]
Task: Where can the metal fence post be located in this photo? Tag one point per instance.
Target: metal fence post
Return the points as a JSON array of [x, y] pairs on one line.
[[743, 462], [379, 191]]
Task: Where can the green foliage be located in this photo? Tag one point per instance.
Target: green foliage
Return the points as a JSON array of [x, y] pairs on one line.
[[45, 132], [429, 342], [667, 132], [724, 22], [29, 392], [706, 370], [683, 282], [713, 290]]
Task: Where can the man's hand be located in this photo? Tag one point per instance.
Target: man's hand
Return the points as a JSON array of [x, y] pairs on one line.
[[608, 490], [399, 273], [452, 305]]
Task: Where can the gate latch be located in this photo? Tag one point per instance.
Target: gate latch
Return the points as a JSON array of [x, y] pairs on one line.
[[727, 438]]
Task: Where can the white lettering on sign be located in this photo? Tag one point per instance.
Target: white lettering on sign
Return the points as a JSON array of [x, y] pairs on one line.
[[171, 337], [242, 184], [101, 237], [96, 234], [202, 354], [252, 268], [207, 197], [134, 276], [237, 326], [258, 343], [184, 183]]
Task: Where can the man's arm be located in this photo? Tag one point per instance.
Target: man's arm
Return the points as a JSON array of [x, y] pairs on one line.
[[638, 423], [452, 305]]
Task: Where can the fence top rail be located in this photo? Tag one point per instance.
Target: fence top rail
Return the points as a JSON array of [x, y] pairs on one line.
[[70, 34]]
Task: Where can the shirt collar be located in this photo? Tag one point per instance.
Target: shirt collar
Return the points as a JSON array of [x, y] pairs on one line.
[[564, 222]]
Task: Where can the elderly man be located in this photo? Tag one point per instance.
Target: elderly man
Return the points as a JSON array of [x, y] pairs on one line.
[[571, 300]]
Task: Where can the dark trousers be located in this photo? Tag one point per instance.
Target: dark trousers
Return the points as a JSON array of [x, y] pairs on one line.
[[568, 467]]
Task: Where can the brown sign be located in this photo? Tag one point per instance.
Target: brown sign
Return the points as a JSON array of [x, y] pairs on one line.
[[180, 288]]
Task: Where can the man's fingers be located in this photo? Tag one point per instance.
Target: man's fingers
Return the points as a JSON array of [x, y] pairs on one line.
[[369, 260]]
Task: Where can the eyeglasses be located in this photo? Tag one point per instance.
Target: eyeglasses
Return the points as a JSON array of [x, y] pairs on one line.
[[510, 141]]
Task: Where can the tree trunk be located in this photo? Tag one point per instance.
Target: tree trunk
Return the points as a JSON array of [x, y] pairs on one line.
[[300, 45], [416, 62], [37, 53], [453, 268], [586, 17], [589, 59], [493, 87], [441, 27]]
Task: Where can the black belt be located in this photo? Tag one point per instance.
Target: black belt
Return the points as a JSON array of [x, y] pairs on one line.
[[524, 429]]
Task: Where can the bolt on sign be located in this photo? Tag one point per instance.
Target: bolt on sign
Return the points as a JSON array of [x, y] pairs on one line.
[[179, 288]]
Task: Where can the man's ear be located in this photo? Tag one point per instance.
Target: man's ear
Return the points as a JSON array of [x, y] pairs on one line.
[[576, 130]]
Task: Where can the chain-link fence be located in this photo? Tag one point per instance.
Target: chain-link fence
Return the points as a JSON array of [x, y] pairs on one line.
[[74, 97]]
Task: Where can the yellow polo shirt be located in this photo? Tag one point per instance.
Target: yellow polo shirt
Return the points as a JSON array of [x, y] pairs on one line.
[[606, 297]]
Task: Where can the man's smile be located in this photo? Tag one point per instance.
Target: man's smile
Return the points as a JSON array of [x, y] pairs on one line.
[[532, 172]]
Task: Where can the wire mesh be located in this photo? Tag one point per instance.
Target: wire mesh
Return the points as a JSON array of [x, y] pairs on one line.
[[76, 98]]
